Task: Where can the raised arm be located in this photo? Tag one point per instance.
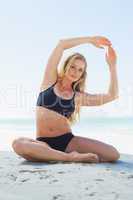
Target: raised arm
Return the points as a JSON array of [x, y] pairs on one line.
[[95, 40], [87, 99], [51, 72]]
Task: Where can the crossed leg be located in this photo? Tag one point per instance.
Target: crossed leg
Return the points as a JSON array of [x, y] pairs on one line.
[[106, 152], [33, 150]]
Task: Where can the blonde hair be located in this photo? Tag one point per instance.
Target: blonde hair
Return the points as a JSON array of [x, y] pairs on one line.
[[77, 85]]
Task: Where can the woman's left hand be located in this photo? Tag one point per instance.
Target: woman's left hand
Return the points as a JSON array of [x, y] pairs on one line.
[[100, 41]]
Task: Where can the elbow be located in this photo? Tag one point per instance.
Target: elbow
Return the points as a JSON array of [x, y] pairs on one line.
[[61, 44], [111, 98], [117, 97], [114, 97]]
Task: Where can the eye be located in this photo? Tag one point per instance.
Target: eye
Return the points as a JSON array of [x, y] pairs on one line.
[[80, 70], [72, 66]]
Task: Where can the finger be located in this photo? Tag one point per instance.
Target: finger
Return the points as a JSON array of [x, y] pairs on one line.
[[107, 41]]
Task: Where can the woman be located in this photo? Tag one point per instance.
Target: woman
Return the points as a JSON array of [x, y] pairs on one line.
[[58, 106]]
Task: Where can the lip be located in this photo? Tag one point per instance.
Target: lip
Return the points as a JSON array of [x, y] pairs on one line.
[[73, 76]]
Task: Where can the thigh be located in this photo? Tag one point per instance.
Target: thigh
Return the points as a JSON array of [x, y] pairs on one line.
[[27, 140], [22, 144], [87, 145]]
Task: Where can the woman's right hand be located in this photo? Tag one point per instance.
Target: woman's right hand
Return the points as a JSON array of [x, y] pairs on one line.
[[100, 41], [111, 57]]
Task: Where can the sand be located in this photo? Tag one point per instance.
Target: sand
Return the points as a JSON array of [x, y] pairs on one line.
[[23, 180]]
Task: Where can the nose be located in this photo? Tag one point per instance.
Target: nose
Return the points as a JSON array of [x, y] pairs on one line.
[[75, 74]]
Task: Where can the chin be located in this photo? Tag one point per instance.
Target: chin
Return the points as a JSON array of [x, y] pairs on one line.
[[74, 78]]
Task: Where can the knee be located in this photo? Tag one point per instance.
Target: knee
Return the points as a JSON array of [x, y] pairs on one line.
[[115, 154], [18, 145]]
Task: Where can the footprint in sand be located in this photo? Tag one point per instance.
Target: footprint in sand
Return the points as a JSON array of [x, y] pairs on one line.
[[130, 176], [57, 196], [25, 180], [108, 169], [92, 194], [86, 188], [55, 180], [99, 179], [116, 195], [12, 177], [32, 171], [122, 173], [61, 172], [41, 177], [45, 177]]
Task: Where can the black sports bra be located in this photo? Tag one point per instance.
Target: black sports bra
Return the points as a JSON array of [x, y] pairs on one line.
[[50, 100]]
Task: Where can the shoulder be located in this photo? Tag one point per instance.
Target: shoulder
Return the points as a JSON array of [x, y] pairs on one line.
[[48, 84]]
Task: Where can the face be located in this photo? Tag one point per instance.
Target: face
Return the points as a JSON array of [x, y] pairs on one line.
[[76, 69]]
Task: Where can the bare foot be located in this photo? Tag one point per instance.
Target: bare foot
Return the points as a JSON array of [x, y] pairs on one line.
[[84, 157]]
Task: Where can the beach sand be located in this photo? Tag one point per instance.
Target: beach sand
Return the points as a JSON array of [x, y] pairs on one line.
[[23, 180]]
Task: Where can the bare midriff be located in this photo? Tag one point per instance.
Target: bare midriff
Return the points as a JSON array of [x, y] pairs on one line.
[[50, 123]]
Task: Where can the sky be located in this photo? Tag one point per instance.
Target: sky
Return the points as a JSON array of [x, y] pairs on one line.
[[29, 31]]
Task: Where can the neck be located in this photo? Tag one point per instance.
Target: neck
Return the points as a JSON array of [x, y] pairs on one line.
[[66, 84]]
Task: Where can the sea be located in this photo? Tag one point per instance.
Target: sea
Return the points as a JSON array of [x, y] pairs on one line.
[[116, 131]]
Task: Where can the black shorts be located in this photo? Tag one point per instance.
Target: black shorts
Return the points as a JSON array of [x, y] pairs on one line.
[[59, 142]]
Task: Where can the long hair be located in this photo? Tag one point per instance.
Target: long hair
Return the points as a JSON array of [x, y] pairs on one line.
[[78, 85]]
